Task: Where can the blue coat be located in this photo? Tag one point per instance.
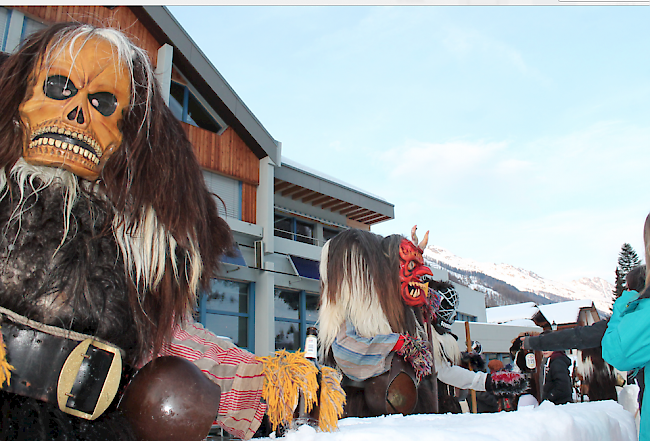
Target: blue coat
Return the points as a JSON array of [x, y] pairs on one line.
[[626, 343]]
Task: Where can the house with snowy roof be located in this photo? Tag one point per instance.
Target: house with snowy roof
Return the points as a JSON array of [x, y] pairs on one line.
[[550, 316]]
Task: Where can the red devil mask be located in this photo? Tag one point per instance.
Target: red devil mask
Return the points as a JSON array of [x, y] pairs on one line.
[[411, 270]]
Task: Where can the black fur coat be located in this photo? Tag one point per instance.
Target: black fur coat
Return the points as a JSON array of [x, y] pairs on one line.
[[77, 283]]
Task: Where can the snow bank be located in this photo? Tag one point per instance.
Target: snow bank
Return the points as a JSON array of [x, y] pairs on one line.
[[597, 421]]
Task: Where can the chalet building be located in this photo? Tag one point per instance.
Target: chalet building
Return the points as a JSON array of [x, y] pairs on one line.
[[553, 316], [280, 212]]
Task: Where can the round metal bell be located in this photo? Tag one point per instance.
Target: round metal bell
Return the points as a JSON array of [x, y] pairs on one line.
[[170, 399]]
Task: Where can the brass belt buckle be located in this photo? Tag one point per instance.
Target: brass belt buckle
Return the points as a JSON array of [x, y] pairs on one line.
[[70, 371]]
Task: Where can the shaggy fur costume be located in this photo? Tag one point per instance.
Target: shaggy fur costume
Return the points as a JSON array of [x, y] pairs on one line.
[[597, 375], [120, 259]]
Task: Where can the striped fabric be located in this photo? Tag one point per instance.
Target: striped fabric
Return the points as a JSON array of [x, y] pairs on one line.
[[360, 357], [236, 371]]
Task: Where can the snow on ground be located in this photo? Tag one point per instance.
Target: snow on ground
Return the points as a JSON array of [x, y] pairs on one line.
[[597, 421]]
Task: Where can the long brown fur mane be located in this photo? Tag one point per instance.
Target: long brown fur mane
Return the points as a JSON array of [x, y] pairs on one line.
[[155, 168]]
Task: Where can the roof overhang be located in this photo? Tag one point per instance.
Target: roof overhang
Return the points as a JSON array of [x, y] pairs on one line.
[[309, 188], [196, 67]]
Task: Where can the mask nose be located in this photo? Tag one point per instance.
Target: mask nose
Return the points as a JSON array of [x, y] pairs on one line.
[[76, 114]]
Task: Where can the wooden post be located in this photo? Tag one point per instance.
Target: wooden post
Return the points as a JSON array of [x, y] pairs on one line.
[[468, 342]]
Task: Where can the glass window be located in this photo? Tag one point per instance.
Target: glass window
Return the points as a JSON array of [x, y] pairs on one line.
[[329, 233], [465, 317], [226, 311], [176, 99], [186, 107], [30, 26], [287, 304], [235, 328], [4, 25], [287, 336], [311, 307], [295, 311], [199, 117], [283, 227], [228, 296], [304, 232]]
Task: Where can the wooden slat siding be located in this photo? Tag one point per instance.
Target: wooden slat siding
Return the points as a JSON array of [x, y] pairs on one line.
[[226, 154], [120, 17], [249, 203]]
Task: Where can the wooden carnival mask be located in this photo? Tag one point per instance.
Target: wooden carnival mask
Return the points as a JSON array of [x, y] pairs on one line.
[[73, 110], [412, 269]]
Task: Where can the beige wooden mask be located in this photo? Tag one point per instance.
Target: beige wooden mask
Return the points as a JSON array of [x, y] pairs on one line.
[[74, 108]]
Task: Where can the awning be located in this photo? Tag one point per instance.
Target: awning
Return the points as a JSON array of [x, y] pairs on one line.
[[306, 267], [237, 259]]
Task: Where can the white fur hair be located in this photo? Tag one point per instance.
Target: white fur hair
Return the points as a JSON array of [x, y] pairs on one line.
[[445, 348], [352, 303], [36, 179], [126, 53], [145, 247], [586, 367]]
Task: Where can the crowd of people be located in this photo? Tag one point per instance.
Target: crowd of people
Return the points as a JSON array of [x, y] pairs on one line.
[[621, 342]]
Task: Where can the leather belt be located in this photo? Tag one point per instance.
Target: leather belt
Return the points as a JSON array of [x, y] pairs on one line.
[[77, 372]]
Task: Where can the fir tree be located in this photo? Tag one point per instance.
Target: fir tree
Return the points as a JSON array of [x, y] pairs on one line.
[[627, 260]]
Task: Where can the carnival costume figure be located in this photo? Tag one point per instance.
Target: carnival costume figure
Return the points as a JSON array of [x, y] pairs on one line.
[[385, 323], [108, 234]]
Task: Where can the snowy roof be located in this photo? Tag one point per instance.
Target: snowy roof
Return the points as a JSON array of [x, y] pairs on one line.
[[522, 322], [502, 314], [565, 312]]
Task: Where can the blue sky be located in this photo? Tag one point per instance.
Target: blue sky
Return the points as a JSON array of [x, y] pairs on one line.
[[516, 135]]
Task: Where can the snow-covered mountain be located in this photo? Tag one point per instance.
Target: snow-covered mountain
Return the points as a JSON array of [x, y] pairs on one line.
[[505, 284]]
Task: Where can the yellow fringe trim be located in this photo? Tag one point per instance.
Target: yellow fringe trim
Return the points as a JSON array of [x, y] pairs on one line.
[[332, 399], [5, 367], [287, 374]]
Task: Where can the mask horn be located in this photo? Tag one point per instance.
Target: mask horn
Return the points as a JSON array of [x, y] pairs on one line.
[[414, 238], [425, 241]]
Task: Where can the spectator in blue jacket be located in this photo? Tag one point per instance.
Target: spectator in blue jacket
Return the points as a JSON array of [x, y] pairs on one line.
[[626, 343]]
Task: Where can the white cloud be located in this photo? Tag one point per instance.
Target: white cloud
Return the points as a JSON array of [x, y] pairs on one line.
[[465, 43], [451, 158]]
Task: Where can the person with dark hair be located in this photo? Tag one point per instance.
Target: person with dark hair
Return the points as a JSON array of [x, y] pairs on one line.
[[557, 382], [626, 343]]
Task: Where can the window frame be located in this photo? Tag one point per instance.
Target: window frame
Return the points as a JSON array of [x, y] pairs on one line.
[[250, 314], [302, 321], [191, 89], [294, 228]]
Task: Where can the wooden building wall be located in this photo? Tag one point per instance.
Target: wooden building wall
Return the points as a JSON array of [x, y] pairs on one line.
[[120, 18], [226, 154]]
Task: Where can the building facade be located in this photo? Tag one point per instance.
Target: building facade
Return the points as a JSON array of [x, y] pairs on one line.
[[280, 213]]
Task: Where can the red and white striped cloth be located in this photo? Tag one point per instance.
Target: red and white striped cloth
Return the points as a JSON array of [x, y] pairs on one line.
[[236, 371]]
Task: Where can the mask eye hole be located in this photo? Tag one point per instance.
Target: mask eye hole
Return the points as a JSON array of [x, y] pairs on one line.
[[59, 87], [104, 102]]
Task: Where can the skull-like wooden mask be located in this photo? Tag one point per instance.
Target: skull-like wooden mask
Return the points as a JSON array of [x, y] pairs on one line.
[[74, 107]]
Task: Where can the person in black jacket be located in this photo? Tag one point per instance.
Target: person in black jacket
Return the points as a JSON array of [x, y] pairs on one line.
[[580, 337], [557, 384]]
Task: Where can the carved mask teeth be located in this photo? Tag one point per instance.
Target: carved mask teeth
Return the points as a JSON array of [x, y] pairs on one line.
[[415, 288], [67, 140]]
